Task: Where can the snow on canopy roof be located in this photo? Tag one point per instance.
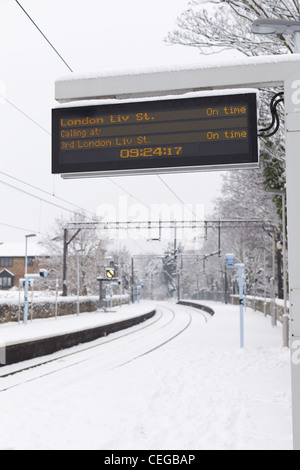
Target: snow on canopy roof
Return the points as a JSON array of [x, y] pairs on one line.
[[250, 72], [192, 94], [17, 249], [204, 64]]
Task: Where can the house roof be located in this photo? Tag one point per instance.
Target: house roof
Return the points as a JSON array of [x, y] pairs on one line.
[[17, 250], [8, 272]]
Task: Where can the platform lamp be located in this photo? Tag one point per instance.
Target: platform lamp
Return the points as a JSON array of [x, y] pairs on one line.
[[276, 26]]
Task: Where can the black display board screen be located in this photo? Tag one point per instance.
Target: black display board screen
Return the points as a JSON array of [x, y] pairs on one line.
[[154, 136]]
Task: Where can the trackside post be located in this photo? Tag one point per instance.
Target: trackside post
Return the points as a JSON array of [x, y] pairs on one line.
[[230, 264], [292, 109]]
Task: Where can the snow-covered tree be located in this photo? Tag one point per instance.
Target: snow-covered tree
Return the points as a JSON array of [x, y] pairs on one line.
[[213, 26], [155, 287], [243, 197], [86, 249], [216, 25]]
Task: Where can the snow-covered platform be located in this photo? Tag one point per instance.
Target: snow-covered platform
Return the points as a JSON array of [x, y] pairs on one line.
[[41, 337], [200, 391]]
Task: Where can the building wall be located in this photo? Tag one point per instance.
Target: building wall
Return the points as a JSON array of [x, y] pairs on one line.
[[18, 268]]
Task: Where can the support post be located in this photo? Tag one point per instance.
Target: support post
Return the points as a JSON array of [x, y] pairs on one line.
[[230, 264], [26, 288], [241, 302], [65, 257], [292, 108], [132, 280]]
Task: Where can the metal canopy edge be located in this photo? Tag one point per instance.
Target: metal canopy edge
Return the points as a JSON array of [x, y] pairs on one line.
[[97, 174], [253, 72]]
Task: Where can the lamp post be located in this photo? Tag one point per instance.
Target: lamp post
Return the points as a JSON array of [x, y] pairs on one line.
[[285, 319], [78, 280], [31, 235], [265, 278], [275, 26]]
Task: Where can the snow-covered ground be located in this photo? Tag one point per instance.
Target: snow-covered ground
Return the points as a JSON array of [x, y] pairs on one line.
[[12, 296], [13, 333], [199, 391]]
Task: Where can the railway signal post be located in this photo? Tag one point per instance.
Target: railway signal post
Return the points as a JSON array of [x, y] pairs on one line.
[[230, 264]]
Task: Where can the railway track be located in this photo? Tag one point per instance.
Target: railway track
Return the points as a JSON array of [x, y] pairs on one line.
[[115, 350]]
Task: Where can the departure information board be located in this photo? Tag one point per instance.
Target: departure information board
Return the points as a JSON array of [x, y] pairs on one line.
[[156, 136]]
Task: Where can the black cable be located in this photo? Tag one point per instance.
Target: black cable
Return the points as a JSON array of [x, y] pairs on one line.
[[275, 117], [277, 120], [272, 112], [45, 37]]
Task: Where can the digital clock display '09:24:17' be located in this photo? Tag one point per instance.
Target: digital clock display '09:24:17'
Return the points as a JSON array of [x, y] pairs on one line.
[[151, 151]]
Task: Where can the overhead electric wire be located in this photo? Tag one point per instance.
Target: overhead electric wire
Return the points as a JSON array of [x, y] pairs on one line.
[[116, 184], [37, 197], [24, 114], [49, 133], [44, 36], [176, 195], [20, 228], [44, 191], [130, 195], [72, 71]]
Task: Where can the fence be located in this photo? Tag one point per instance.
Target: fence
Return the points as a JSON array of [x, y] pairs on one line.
[[41, 308], [257, 303], [214, 296]]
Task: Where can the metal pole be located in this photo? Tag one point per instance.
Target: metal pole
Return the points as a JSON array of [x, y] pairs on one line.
[[56, 298], [31, 306], [121, 284], [279, 269], [265, 285], [78, 280], [26, 260], [26, 280], [19, 313], [292, 110], [65, 257], [285, 319], [241, 297], [177, 280], [240, 267], [132, 280], [273, 283], [26, 301], [297, 43]]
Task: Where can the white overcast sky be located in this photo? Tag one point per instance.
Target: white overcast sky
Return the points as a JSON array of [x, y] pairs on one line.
[[91, 35]]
